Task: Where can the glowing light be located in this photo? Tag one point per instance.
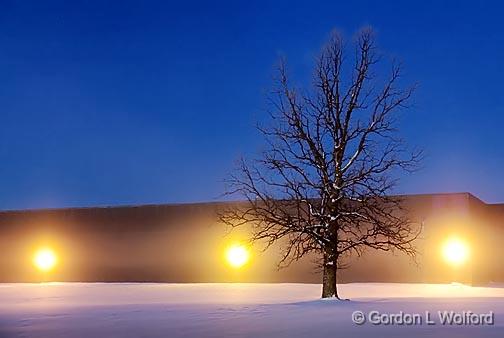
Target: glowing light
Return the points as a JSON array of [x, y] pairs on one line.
[[455, 251], [237, 256], [45, 259]]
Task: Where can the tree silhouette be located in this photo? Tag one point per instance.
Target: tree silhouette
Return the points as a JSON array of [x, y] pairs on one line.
[[323, 185]]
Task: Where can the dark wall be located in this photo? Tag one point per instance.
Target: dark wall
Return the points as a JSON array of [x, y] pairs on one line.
[[185, 243]]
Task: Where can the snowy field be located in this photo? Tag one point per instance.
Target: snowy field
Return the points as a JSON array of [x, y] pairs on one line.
[[70, 310]]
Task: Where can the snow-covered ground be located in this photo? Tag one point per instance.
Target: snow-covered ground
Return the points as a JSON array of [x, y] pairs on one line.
[[70, 310]]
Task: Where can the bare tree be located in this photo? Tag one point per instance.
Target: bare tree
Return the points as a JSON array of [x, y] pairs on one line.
[[323, 184]]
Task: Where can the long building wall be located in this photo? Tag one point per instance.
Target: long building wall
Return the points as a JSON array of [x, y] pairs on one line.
[[186, 243]]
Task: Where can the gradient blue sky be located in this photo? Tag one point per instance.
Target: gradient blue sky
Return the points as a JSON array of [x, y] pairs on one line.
[[122, 102]]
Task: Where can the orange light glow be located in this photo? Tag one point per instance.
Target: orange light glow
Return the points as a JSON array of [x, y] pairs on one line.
[[237, 256], [455, 251], [45, 259]]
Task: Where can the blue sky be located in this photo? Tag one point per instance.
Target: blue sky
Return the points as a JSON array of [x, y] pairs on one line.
[[119, 102]]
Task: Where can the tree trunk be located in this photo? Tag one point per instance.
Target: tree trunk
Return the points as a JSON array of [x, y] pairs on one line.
[[330, 279]]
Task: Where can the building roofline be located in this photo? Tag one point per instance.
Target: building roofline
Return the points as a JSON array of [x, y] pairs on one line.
[[153, 205], [119, 206]]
